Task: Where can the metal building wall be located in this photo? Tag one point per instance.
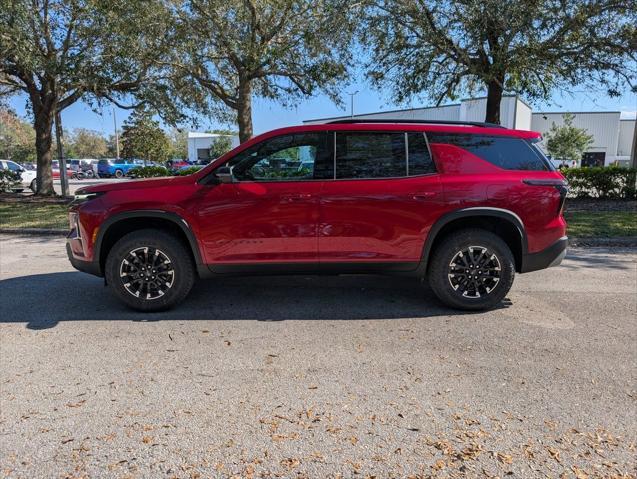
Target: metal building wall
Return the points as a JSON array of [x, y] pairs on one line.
[[603, 126]]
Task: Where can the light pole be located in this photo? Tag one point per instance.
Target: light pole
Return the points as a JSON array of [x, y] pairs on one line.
[[116, 135], [351, 102]]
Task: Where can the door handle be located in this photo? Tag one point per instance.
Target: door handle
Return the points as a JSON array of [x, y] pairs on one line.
[[424, 196], [296, 197]]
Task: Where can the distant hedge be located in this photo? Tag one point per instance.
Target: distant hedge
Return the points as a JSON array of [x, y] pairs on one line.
[[148, 172], [189, 170], [602, 182]]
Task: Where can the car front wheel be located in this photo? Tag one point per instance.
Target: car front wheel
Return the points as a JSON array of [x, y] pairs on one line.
[[119, 173], [471, 269], [150, 270]]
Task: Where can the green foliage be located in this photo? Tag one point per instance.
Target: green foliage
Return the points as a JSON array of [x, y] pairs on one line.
[[84, 143], [17, 138], [148, 172], [220, 146], [142, 137], [58, 52], [444, 50], [602, 182], [566, 142], [281, 50], [189, 170], [9, 180], [178, 139]]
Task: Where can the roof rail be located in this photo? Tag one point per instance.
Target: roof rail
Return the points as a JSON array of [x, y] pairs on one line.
[[430, 122]]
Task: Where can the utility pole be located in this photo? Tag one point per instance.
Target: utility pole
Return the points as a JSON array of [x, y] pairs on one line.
[[633, 152], [351, 102], [64, 180], [116, 135]]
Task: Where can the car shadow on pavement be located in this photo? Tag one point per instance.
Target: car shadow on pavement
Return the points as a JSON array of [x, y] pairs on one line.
[[44, 300]]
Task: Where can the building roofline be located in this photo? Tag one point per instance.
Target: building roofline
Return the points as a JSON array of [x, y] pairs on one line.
[[381, 112], [573, 112], [628, 119], [508, 95]]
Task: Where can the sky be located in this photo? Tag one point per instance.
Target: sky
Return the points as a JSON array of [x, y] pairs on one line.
[[268, 115]]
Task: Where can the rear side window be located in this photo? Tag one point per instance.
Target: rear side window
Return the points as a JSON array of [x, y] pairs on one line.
[[420, 161], [504, 152], [370, 155]]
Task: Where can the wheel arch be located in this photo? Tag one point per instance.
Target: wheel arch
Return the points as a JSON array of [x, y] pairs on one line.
[[504, 223], [122, 223]]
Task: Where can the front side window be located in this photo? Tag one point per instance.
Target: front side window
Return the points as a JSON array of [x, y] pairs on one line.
[[370, 155], [302, 156], [502, 151]]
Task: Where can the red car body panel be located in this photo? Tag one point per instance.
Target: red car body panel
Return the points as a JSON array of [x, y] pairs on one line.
[[331, 221]]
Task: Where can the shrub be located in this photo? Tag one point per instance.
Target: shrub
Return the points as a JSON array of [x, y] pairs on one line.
[[9, 180], [148, 172], [189, 171], [602, 182]]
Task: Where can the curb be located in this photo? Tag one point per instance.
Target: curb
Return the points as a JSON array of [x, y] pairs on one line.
[[620, 241], [34, 231]]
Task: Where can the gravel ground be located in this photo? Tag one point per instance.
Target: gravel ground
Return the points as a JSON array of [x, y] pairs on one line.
[[317, 376]]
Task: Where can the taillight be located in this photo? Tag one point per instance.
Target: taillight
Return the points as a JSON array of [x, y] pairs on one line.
[[559, 184]]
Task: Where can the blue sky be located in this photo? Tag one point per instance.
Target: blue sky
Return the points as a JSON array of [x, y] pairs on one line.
[[268, 115]]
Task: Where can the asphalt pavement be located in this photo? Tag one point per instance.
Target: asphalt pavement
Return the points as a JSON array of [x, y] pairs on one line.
[[306, 376]]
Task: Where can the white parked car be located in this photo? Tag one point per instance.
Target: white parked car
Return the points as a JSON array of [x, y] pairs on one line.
[[27, 176]]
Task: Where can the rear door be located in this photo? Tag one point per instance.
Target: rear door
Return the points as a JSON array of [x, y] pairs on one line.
[[381, 203]]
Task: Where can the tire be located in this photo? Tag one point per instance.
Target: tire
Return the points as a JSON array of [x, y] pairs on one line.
[[33, 186], [122, 266], [119, 174], [466, 253]]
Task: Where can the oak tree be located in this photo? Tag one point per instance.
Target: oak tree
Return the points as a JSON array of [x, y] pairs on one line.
[[442, 49]]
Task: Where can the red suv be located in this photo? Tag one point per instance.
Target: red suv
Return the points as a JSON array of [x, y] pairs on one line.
[[466, 205]]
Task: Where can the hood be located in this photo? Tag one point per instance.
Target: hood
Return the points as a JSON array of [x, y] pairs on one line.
[[138, 184]]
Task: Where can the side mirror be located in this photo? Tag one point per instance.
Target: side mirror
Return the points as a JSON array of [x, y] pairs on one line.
[[224, 174]]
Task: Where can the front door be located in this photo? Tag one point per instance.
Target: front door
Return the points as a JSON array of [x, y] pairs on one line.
[[270, 213], [383, 199]]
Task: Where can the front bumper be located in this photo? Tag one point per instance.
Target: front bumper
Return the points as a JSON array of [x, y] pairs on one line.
[[90, 267], [551, 256]]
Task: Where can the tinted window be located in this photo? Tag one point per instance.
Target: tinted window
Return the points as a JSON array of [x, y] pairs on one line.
[[13, 166], [504, 152], [370, 155], [420, 162], [303, 156]]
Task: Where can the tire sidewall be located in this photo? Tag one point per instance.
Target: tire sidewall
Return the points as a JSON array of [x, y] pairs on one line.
[[174, 250], [449, 247]]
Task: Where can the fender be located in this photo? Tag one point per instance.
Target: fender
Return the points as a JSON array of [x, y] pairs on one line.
[[166, 215], [445, 219]]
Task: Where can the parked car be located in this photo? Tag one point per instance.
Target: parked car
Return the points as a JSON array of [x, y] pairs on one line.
[[27, 176], [464, 205], [177, 164], [116, 168], [55, 170]]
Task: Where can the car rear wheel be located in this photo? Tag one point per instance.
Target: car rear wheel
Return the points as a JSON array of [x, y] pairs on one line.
[[119, 173], [33, 186], [471, 269], [150, 270]]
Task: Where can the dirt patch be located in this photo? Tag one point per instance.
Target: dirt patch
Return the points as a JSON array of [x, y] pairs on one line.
[[34, 199]]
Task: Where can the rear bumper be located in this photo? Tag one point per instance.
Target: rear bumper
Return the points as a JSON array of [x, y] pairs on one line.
[[90, 267], [551, 256]]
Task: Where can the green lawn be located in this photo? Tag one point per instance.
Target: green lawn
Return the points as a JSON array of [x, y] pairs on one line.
[[607, 224], [33, 215]]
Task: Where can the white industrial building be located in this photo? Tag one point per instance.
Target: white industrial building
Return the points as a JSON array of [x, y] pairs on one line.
[[612, 136], [199, 145]]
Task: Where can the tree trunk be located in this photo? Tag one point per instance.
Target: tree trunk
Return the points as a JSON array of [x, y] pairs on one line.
[[494, 98], [43, 125], [244, 110]]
